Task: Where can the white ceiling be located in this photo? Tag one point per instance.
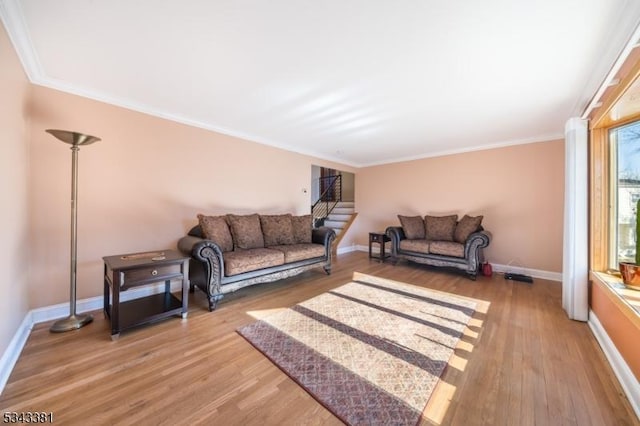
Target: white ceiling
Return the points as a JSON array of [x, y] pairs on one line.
[[361, 82]]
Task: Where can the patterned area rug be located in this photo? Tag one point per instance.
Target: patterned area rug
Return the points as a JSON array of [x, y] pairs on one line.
[[371, 351]]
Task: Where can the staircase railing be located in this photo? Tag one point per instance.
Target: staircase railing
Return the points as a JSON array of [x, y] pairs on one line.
[[330, 196]]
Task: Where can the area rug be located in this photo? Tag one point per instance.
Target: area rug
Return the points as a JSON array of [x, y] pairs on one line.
[[371, 351]]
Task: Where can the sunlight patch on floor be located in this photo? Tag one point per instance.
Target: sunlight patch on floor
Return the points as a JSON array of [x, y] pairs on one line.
[[438, 405], [465, 346], [458, 362], [470, 333]]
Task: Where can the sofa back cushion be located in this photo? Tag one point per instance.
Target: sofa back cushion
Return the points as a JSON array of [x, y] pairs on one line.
[[413, 227], [246, 231], [467, 226], [277, 229], [301, 229], [216, 229], [440, 228]]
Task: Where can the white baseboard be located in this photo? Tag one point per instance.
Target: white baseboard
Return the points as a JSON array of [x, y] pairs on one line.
[[35, 316], [625, 376], [94, 303], [536, 273], [12, 353], [355, 247], [49, 313], [342, 250], [375, 249]]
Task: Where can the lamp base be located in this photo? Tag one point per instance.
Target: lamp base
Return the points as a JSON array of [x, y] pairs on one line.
[[72, 322]]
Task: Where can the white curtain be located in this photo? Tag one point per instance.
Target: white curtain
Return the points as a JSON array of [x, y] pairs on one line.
[[575, 267]]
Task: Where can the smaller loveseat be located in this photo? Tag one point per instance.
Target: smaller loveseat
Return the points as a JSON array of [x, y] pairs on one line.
[[440, 241], [230, 252]]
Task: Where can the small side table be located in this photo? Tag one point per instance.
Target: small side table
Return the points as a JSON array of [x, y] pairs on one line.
[[123, 272], [380, 238]]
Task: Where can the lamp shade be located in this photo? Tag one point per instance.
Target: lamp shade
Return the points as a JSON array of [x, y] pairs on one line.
[[73, 138]]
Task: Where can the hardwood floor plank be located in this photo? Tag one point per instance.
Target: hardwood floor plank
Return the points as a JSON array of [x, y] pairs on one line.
[[521, 361]]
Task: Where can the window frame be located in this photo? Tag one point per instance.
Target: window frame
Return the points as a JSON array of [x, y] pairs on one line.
[[600, 168], [614, 191]]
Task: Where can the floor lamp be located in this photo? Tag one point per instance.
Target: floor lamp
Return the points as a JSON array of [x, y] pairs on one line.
[[76, 140]]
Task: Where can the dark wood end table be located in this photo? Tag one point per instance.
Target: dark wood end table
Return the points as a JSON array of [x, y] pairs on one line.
[[381, 238], [123, 272]]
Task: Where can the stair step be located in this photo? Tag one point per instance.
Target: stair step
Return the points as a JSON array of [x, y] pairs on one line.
[[335, 224], [343, 210], [346, 204], [343, 217]]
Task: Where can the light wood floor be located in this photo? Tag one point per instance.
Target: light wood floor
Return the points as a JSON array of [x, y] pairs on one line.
[[521, 363]]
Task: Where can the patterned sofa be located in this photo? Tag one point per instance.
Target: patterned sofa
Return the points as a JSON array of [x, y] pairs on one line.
[[231, 252], [440, 241]]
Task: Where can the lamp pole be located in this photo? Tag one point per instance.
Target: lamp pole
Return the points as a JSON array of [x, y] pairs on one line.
[[73, 321]]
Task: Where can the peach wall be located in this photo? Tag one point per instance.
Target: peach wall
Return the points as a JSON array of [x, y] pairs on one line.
[[141, 187], [143, 184], [624, 333], [518, 189], [14, 214]]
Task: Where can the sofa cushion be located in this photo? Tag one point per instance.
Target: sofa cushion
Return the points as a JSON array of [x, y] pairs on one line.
[[413, 227], [419, 246], [246, 231], [239, 261], [277, 229], [296, 252], [447, 248], [440, 228], [216, 229], [467, 226], [301, 229]]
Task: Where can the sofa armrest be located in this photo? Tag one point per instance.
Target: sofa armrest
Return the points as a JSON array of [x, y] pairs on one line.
[[396, 234], [208, 270], [186, 244], [478, 239], [323, 235], [395, 231], [473, 248]]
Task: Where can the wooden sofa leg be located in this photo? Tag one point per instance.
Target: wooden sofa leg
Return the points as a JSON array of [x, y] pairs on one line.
[[213, 301], [327, 269]]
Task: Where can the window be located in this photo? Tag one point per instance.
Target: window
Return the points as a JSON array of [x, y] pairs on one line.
[[624, 143], [614, 169], [614, 172]]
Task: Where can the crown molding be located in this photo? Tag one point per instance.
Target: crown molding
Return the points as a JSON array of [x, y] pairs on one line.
[[95, 95], [15, 25], [513, 142], [12, 16], [133, 106], [622, 39], [14, 22]]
